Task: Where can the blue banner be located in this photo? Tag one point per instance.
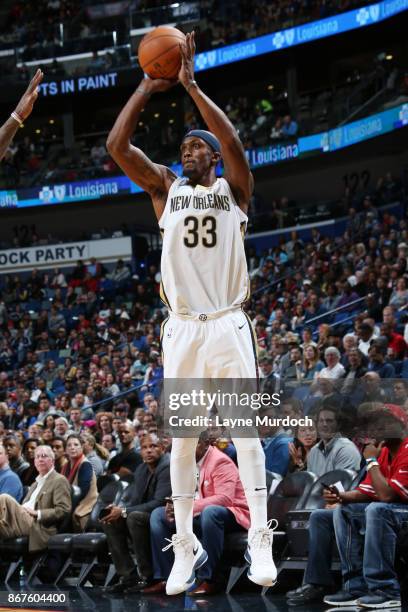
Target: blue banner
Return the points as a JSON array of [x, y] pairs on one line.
[[337, 24], [324, 142], [355, 132]]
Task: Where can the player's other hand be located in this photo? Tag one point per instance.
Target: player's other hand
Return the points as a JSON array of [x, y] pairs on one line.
[[25, 106], [187, 50], [151, 86]]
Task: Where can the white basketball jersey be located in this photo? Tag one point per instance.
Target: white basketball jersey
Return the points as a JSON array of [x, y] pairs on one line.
[[203, 263]]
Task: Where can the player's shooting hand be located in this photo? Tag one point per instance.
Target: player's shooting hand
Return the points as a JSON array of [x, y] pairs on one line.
[[187, 50], [25, 106], [151, 86]]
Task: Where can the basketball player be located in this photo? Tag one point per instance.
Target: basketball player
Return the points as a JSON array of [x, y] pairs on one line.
[[17, 117], [204, 283]]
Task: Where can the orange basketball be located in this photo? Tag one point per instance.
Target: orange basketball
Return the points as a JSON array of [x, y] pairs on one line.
[[159, 52]]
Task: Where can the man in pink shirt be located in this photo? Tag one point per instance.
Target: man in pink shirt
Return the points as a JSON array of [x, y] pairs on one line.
[[220, 507]]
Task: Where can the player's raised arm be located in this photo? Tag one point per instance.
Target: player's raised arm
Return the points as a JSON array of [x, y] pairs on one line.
[[23, 110], [153, 178], [236, 165]]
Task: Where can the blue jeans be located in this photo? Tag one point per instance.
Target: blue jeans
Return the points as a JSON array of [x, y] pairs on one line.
[[209, 526], [321, 540], [366, 536]]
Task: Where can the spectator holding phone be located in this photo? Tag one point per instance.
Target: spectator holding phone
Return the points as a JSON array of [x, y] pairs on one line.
[[367, 520]]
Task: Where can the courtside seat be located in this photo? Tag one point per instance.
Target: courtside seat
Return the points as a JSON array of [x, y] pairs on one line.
[[61, 542], [85, 550], [15, 550], [297, 520], [290, 492]]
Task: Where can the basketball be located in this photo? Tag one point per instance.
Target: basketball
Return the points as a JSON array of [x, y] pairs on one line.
[[159, 52]]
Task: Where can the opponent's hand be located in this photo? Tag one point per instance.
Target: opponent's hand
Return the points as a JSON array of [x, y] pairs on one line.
[[25, 106], [151, 86], [187, 50]]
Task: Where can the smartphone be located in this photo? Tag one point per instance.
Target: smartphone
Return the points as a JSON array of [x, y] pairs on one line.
[[103, 513], [332, 488]]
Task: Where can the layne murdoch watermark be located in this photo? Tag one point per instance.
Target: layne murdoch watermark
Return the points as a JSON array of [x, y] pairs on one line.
[[221, 399], [231, 422]]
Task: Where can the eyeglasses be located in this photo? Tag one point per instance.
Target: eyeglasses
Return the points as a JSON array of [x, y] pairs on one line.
[[42, 456]]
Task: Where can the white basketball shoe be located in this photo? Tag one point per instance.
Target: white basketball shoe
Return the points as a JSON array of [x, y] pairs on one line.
[[189, 555], [262, 569]]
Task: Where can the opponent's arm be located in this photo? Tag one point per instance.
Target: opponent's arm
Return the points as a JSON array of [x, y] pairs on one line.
[[153, 178], [23, 110], [236, 165]]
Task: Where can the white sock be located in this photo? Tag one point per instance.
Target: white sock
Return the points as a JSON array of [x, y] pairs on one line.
[[251, 465], [183, 475]]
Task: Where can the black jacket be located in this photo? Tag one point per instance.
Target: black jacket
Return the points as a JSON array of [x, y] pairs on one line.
[[148, 489]]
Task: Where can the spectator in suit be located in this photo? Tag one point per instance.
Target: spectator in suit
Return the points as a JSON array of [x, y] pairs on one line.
[[10, 483], [79, 472], [46, 504], [221, 507], [131, 518]]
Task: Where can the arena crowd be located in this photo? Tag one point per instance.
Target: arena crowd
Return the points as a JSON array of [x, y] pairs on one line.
[[81, 373]]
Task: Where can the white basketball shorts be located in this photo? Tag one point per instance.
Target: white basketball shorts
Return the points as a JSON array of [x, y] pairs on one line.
[[222, 347]]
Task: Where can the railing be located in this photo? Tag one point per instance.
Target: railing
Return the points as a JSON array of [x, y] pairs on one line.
[[335, 310], [74, 46], [178, 12], [115, 398]]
